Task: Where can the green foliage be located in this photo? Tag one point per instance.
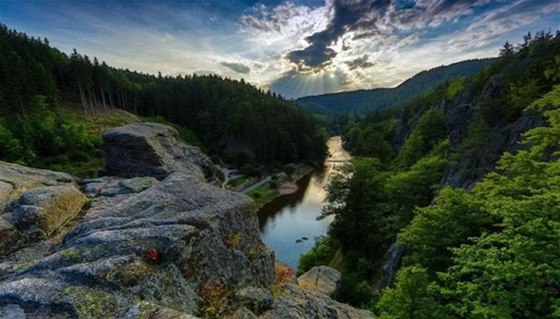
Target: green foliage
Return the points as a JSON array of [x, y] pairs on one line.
[[429, 236], [359, 224], [455, 87], [430, 131], [492, 252], [263, 195], [354, 289], [411, 297], [10, 148], [487, 252], [364, 101], [519, 97], [221, 114], [372, 139], [321, 254], [416, 186]]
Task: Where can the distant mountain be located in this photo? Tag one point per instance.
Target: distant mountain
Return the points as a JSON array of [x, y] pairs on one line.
[[364, 101]]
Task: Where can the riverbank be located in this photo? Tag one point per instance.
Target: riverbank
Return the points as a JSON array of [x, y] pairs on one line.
[[277, 185], [287, 220]]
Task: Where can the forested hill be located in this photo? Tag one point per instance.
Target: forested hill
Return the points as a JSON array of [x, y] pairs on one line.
[[463, 184], [230, 118], [363, 101]]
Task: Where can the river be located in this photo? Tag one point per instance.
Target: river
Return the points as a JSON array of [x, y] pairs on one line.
[[292, 218]]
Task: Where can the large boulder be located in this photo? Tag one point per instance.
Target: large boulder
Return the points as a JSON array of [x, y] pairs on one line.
[[151, 149], [322, 279], [34, 204], [42, 211], [296, 303], [16, 179], [174, 245]]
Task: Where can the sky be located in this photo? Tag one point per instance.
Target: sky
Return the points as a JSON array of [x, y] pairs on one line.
[[295, 47]]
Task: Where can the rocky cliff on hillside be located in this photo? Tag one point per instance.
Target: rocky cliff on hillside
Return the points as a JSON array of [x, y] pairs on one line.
[[460, 112], [159, 244]]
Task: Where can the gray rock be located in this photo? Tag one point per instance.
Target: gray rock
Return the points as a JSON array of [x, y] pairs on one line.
[[145, 310], [12, 312], [321, 279], [242, 313], [188, 223], [254, 299], [34, 204], [126, 186], [297, 303], [15, 179], [150, 149], [42, 211], [6, 190], [392, 263]]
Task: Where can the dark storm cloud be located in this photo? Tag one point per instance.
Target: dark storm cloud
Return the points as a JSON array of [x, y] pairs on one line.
[[360, 63], [370, 18], [347, 17], [237, 67]]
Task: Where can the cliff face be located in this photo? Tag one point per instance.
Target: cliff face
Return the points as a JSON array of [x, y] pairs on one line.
[[162, 244], [460, 113]]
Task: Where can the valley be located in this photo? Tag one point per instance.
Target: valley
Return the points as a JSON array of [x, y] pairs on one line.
[[203, 192]]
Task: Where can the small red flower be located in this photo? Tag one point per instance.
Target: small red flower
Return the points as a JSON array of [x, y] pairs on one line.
[[153, 255]]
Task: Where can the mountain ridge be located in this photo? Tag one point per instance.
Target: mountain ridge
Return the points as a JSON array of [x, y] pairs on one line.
[[367, 100]]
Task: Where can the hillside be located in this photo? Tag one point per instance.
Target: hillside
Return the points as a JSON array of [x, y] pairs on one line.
[[229, 119], [363, 101], [450, 207]]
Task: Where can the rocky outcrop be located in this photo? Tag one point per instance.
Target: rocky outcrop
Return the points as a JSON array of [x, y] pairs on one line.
[[151, 149], [391, 264], [160, 245], [460, 112], [16, 179], [297, 303], [176, 247], [321, 279], [34, 205]]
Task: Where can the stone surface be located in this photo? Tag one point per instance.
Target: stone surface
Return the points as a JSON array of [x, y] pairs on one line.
[[242, 313], [141, 248], [151, 149], [392, 263], [322, 279], [297, 303], [15, 179], [42, 211], [254, 299], [187, 221], [34, 204]]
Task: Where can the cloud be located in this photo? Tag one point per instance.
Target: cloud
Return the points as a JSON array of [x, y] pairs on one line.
[[360, 63], [294, 47], [347, 16], [355, 20], [237, 67], [294, 84]]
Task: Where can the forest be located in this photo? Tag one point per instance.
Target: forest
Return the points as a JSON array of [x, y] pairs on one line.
[[230, 119], [367, 101], [465, 179]]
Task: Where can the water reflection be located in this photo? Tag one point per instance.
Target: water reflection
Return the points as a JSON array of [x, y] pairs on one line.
[[292, 217]]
